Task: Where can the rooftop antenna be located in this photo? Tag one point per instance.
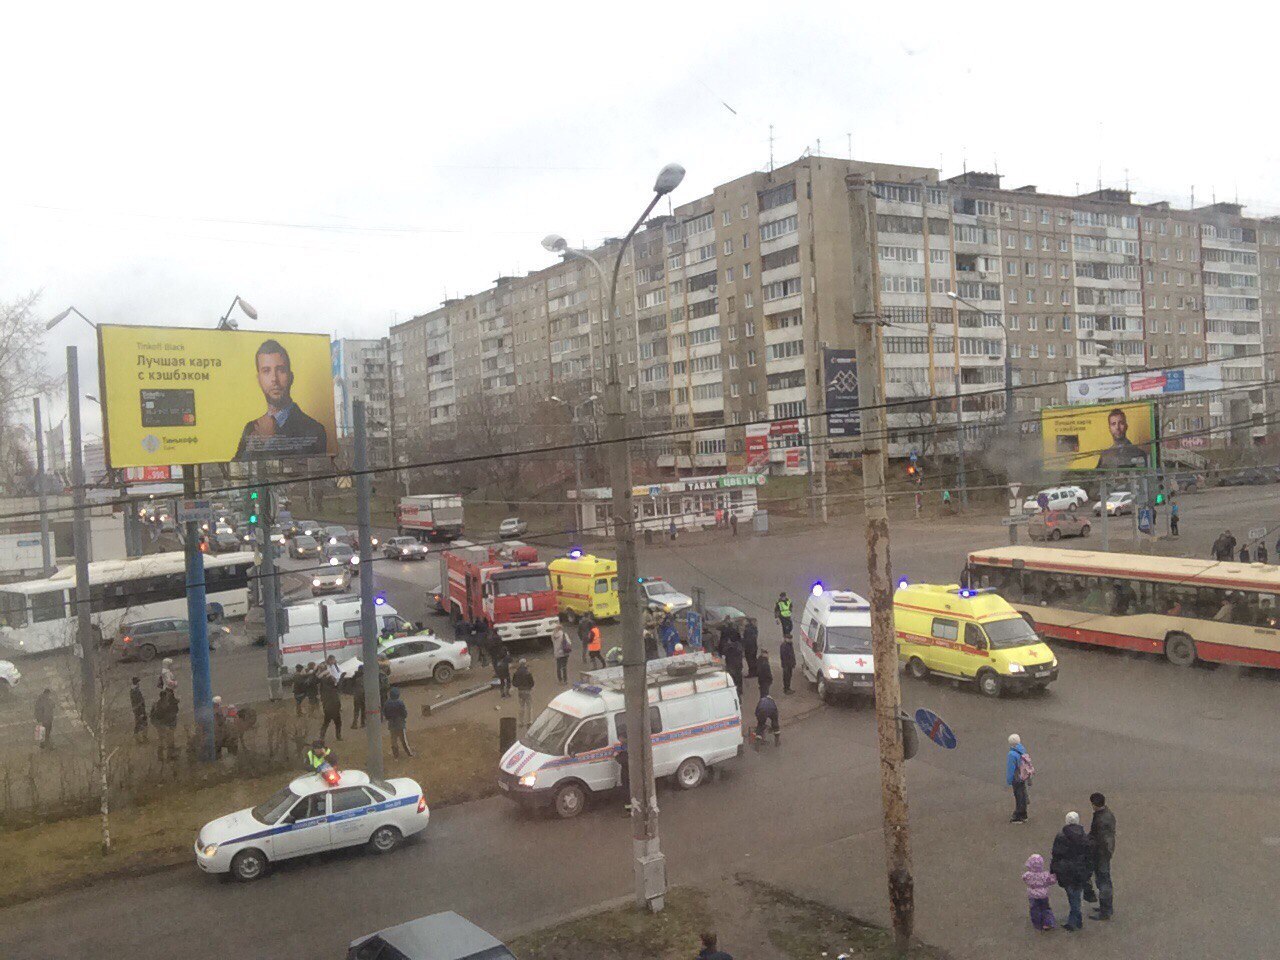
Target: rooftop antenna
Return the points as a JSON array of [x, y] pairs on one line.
[[850, 138], [1126, 179], [996, 165], [771, 148], [819, 146], [1193, 197]]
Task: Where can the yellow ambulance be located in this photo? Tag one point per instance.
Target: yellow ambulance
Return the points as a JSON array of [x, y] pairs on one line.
[[972, 635], [585, 584]]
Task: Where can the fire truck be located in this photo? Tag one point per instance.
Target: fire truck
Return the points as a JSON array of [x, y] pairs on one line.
[[506, 587], [430, 516]]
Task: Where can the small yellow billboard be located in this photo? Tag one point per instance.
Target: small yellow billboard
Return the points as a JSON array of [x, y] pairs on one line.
[[1107, 436], [180, 395]]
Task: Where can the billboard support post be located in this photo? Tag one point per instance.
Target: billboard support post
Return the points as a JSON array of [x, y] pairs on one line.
[[46, 547], [81, 538], [198, 625], [368, 620], [270, 592]]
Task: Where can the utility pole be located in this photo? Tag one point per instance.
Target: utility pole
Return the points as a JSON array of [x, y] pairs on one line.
[[46, 547], [198, 623], [1102, 498], [960, 477], [270, 586], [893, 791], [81, 544], [368, 618]]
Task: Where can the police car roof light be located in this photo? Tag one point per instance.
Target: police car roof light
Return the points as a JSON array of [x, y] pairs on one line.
[[902, 582], [817, 588]]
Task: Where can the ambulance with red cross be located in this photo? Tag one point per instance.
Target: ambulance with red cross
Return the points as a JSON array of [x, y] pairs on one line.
[[835, 643], [569, 753]]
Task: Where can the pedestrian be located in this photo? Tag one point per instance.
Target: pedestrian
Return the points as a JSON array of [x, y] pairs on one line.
[[733, 523], [782, 613], [1102, 837], [357, 698], [332, 668], [166, 678], [728, 629], [668, 635], [397, 715], [331, 704], [709, 950], [299, 689], [44, 718], [318, 756], [764, 673], [1173, 520], [750, 645], [731, 651], [502, 671], [946, 499], [650, 646], [1228, 546], [523, 682], [561, 647], [593, 647], [767, 715], [1038, 881], [311, 685], [138, 704], [787, 658], [584, 633], [671, 528], [1244, 554], [164, 716], [384, 683], [1070, 863], [493, 642], [624, 766], [1260, 553], [1017, 774]]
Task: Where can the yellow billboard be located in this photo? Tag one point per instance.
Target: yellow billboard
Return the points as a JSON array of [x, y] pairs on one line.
[[1108, 436], [181, 395]]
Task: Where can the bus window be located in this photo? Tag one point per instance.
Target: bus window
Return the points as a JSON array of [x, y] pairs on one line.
[[48, 606], [13, 610]]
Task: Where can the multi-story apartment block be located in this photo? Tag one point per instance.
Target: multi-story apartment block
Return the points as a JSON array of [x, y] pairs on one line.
[[360, 372], [726, 304]]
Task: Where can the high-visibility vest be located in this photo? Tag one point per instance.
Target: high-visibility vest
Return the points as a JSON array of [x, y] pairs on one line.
[[593, 640], [316, 760], [784, 608]]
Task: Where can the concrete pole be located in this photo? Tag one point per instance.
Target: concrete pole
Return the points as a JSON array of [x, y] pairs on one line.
[[1103, 493], [960, 477], [46, 546], [198, 625], [893, 791], [368, 614], [88, 651], [649, 863], [270, 588]]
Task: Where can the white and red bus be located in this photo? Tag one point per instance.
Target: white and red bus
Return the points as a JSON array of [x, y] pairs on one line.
[[1183, 609]]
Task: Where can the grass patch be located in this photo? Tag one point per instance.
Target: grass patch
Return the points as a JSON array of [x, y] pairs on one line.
[[624, 933], [454, 764]]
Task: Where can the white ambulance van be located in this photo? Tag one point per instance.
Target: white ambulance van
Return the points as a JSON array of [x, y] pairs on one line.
[[311, 634], [835, 643], [568, 753]]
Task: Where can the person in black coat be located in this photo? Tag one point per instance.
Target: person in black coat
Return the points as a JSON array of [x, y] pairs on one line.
[[731, 651], [139, 705], [331, 705], [767, 716], [764, 673], [650, 646], [502, 670], [750, 645], [1072, 862], [728, 629], [584, 633], [787, 659], [357, 698]]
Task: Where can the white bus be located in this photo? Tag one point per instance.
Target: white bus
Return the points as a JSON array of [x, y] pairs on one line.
[[39, 615]]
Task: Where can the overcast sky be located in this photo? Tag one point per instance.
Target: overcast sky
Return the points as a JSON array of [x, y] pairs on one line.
[[343, 166]]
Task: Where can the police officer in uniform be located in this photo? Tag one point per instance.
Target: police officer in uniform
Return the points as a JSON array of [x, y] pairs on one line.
[[782, 610]]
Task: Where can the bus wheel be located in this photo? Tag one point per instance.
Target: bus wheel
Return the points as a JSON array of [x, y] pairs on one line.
[[1180, 650], [989, 683], [917, 669]]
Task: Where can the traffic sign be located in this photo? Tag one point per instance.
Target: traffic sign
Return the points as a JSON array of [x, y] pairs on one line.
[[694, 621], [195, 511], [1257, 533], [1012, 521], [1014, 488], [1146, 517], [933, 727]]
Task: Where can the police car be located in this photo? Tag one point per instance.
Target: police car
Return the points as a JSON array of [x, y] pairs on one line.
[[313, 814]]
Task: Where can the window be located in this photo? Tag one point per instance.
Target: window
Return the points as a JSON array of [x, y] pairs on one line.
[[726, 218], [592, 735], [748, 298], [785, 288], [308, 808], [777, 196], [727, 246], [945, 629], [788, 348], [348, 798], [784, 258], [777, 228], [973, 635]]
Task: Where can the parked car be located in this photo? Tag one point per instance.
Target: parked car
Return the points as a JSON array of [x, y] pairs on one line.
[[1118, 504], [441, 936], [302, 546], [657, 594], [1059, 498], [333, 580], [512, 527], [1056, 524], [340, 554], [9, 677], [715, 617], [423, 656], [146, 639], [405, 548]]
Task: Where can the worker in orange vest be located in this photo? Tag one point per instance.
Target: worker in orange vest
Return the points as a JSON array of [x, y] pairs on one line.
[[593, 646]]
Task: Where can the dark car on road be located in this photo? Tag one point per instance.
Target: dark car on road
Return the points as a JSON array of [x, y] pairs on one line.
[[146, 639], [302, 546], [441, 936]]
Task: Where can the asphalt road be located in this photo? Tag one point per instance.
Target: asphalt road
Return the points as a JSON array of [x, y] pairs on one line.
[[1188, 759]]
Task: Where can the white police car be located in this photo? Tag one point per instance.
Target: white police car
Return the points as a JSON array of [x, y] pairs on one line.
[[313, 815]]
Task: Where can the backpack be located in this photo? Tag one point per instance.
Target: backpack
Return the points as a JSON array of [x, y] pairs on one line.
[[1026, 769]]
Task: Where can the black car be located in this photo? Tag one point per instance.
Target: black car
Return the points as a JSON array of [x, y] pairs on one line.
[[441, 936]]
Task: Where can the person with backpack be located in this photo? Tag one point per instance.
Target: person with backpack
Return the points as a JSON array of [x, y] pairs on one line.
[[561, 647], [1017, 774]]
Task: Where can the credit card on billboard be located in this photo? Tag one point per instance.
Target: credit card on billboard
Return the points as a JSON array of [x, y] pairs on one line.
[[168, 408]]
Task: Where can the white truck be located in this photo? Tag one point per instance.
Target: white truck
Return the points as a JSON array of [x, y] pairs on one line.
[[430, 516], [21, 557]]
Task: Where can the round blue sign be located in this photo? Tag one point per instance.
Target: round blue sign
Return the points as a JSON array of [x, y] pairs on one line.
[[933, 727]]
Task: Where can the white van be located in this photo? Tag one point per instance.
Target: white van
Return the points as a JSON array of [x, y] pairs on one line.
[[568, 753], [835, 643], [306, 639]]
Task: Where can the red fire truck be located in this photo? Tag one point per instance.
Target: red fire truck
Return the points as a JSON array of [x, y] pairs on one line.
[[507, 587]]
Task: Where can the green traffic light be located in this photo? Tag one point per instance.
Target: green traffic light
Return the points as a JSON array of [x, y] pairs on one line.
[[253, 494], [253, 518]]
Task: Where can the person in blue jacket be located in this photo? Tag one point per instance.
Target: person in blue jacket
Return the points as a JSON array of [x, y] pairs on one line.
[[1012, 777]]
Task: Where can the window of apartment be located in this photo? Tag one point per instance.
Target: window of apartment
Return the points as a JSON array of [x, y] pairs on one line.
[[732, 331], [751, 362], [746, 271], [1011, 241], [743, 212], [749, 328], [748, 298], [1011, 268], [698, 224], [1013, 295], [1030, 297], [726, 218], [1028, 242], [788, 348], [791, 286], [733, 361], [734, 389], [728, 274], [728, 247], [777, 228], [675, 262], [746, 241]]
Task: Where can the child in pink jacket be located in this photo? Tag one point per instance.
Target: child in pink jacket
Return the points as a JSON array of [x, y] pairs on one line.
[[1038, 881]]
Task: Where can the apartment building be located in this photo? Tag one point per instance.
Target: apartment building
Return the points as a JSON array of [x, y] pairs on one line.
[[360, 372], [726, 304]]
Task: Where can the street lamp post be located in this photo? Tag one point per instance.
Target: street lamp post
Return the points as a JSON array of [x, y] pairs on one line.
[[577, 458], [225, 322], [650, 865]]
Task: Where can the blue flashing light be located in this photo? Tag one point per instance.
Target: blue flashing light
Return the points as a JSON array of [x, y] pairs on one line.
[[817, 589], [902, 582], [966, 593], [575, 553], [380, 598]]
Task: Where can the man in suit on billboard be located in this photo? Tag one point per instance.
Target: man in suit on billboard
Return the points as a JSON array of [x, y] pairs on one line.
[[284, 430]]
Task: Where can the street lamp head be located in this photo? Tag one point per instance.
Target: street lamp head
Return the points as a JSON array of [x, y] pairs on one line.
[[58, 319], [248, 309], [953, 295], [555, 243], [669, 178]]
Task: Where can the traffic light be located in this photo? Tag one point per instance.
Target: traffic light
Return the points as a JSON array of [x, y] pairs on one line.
[[915, 474], [253, 508]]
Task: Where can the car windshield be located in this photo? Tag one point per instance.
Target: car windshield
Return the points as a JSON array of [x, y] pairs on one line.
[[272, 809], [340, 550], [849, 639], [529, 581], [305, 541], [658, 587], [1014, 632], [550, 732]]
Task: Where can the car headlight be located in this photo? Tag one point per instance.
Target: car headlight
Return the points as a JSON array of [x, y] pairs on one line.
[[315, 583], [355, 558], [1054, 662], [333, 561], [833, 673], [667, 607], [1015, 668], [209, 849], [528, 780], [375, 541]]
